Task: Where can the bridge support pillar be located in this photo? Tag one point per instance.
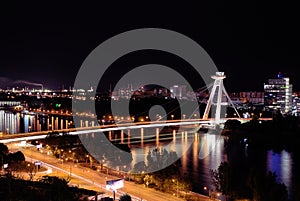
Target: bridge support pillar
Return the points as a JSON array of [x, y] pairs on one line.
[[216, 98]]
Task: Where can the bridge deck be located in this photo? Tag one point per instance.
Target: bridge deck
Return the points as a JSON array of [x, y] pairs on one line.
[[7, 138]]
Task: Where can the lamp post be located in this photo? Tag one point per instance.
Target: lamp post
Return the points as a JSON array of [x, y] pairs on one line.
[[70, 173], [209, 191], [87, 156], [62, 162], [91, 161], [173, 180], [212, 195]]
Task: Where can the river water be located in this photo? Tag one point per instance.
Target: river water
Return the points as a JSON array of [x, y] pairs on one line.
[[207, 151], [11, 123], [198, 152]]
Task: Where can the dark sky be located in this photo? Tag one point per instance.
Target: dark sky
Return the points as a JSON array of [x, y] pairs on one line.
[[249, 41]]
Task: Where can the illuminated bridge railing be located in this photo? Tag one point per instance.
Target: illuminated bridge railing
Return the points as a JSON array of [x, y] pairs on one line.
[[85, 130]]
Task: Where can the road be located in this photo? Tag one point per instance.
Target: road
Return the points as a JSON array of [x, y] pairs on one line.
[[7, 138], [96, 179]]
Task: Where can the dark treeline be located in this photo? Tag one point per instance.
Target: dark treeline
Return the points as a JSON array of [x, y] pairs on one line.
[[240, 175], [250, 184], [46, 188], [9, 158], [282, 132]]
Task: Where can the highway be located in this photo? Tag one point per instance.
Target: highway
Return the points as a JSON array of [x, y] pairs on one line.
[[94, 179]]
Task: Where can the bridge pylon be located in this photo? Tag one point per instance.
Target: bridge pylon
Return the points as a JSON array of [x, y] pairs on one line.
[[216, 97]]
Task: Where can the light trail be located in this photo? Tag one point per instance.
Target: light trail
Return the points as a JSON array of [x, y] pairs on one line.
[[118, 192], [86, 130]]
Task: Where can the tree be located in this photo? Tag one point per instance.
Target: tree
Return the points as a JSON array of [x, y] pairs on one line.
[[3, 153], [60, 182], [139, 167], [125, 197], [160, 159], [31, 170], [265, 187], [185, 184], [232, 124], [57, 186], [3, 149], [221, 179], [256, 185], [15, 157]]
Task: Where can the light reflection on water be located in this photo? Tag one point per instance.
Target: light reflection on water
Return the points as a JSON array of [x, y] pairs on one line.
[[281, 163], [206, 153], [178, 143], [11, 123]]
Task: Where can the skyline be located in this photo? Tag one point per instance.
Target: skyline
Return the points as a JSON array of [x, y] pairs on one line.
[[248, 42], [8, 84]]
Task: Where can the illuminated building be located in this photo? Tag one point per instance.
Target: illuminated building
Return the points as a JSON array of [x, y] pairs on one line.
[[278, 94], [253, 97], [178, 91]]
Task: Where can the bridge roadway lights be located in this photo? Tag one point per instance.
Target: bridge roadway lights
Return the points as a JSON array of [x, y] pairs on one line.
[[43, 134]]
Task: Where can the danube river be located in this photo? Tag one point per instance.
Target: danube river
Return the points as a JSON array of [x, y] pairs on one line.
[[206, 151], [198, 152]]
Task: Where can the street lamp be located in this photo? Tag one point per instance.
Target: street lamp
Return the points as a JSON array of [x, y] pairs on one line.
[[62, 162], [209, 191], [87, 156], [172, 116], [70, 173], [173, 180]]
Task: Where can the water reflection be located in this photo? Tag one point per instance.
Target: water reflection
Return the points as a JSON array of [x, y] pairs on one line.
[[175, 142], [207, 152], [192, 147], [281, 163], [17, 122], [11, 123]]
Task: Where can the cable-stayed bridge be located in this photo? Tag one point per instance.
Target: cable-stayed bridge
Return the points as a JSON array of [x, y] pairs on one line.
[[213, 107]]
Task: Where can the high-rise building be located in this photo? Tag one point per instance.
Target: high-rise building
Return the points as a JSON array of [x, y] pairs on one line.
[[278, 94], [178, 91]]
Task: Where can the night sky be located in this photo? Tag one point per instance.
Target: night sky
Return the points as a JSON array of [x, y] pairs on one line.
[[250, 42]]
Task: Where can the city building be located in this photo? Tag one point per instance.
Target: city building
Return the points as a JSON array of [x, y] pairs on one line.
[[254, 97], [278, 94], [178, 91], [296, 104]]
